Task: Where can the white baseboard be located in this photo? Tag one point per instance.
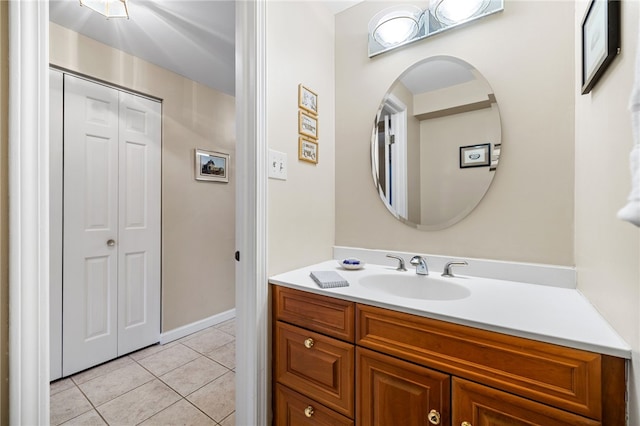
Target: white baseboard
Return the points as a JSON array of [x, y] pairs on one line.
[[185, 330]]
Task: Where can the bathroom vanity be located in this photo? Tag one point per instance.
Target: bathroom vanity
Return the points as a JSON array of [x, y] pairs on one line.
[[340, 358]]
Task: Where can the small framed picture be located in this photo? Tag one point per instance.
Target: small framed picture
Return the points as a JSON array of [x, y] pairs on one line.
[[307, 99], [307, 125], [600, 40], [475, 156], [211, 166], [307, 150]]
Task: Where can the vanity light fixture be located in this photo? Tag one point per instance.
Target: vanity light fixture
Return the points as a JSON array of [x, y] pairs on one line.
[[108, 8], [403, 24], [396, 25], [451, 12]]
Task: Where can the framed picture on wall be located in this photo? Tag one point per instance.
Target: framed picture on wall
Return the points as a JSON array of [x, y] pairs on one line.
[[307, 150], [600, 40], [307, 99], [211, 166], [475, 156], [307, 125]]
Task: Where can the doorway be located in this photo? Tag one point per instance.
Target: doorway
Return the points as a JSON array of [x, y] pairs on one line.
[[106, 292]]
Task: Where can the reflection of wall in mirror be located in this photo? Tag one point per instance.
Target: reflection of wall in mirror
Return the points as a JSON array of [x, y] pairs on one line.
[[454, 188]]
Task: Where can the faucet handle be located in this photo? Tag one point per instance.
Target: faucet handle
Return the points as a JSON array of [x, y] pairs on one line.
[[448, 267], [400, 260]]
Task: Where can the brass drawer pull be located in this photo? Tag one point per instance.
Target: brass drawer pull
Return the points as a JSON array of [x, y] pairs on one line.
[[434, 417], [308, 343], [309, 411], [465, 424]]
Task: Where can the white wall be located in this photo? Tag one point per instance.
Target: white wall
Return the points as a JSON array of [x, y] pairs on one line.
[[300, 49], [607, 249], [527, 214]]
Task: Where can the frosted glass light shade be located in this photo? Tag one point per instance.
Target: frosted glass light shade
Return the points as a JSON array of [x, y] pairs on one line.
[[108, 8], [454, 11], [395, 25]]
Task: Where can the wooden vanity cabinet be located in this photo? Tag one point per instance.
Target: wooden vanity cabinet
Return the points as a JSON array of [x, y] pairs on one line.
[[375, 366]]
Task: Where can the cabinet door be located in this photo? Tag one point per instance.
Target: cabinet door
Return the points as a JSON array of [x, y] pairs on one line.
[[293, 409], [315, 365], [394, 392], [478, 405]]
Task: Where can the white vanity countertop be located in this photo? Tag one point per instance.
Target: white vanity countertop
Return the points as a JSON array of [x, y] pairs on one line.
[[562, 316]]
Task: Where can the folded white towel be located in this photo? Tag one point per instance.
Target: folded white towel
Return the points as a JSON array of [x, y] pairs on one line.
[[631, 212]]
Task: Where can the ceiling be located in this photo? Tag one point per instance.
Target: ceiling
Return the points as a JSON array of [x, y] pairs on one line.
[[193, 38]]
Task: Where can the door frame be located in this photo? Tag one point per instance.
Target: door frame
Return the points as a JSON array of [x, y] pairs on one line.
[[29, 213]]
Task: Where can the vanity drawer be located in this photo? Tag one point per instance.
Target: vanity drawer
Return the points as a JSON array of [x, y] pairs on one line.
[[565, 378], [294, 409], [326, 315], [315, 365]]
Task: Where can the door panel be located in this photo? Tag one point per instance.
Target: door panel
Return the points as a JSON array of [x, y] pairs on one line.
[[391, 391], [90, 220], [139, 218]]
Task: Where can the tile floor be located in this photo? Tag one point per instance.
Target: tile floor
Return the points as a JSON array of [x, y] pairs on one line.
[[190, 381]]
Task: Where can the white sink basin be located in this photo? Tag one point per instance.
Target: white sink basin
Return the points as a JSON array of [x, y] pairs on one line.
[[415, 286]]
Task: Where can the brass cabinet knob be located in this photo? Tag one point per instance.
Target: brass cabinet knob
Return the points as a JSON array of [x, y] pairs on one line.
[[465, 424], [434, 417], [309, 411], [308, 343], [111, 243]]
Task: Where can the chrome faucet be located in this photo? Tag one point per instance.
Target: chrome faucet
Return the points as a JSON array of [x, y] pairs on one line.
[[400, 260], [420, 264], [448, 271]]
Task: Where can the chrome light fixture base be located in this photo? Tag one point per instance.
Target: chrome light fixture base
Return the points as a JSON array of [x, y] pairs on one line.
[[108, 8]]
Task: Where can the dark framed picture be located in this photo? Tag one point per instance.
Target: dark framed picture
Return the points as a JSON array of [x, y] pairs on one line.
[[211, 166], [600, 40], [475, 155]]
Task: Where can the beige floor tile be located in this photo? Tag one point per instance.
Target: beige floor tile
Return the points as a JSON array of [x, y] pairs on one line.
[[60, 385], [143, 353], [169, 359], [229, 421], [217, 399], [92, 418], [208, 341], [225, 355], [139, 404], [100, 370], [193, 375], [113, 384], [180, 413], [66, 405], [228, 327]]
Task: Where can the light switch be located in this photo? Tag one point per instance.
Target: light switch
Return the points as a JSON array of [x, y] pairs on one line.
[[277, 165]]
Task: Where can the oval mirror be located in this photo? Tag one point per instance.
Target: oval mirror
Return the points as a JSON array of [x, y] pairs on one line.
[[435, 144]]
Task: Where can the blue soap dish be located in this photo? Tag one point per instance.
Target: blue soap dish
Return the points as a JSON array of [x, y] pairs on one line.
[[351, 263]]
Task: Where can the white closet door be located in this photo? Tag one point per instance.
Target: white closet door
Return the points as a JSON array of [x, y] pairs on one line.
[[90, 269], [139, 219]]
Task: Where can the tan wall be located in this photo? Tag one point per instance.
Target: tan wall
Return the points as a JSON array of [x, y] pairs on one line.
[[527, 214], [198, 218], [4, 214], [607, 249], [301, 209]]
